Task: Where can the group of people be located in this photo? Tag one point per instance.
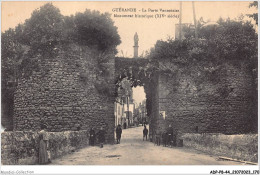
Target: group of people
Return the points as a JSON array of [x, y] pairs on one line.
[[169, 137], [119, 133], [44, 152], [100, 135]]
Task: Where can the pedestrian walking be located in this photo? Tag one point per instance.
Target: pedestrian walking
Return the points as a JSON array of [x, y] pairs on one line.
[[43, 154], [92, 137], [101, 137], [118, 134], [145, 133]]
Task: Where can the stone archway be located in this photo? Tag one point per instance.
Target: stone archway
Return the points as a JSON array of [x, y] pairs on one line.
[[140, 72]]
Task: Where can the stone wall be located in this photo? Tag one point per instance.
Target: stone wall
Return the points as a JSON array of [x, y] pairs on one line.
[[64, 94], [242, 147], [219, 101], [153, 90], [22, 148], [195, 98]]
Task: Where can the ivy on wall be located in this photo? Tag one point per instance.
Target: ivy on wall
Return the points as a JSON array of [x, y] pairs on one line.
[[104, 73]]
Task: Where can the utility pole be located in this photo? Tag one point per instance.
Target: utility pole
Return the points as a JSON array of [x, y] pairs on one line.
[[180, 27], [195, 22]]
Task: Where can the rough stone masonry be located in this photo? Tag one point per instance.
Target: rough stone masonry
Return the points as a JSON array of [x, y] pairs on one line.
[[65, 97], [221, 101]]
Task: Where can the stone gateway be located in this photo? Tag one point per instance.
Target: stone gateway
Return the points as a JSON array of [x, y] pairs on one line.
[[66, 97]]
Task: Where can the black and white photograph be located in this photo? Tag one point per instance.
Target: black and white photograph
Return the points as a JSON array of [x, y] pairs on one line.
[[139, 83]]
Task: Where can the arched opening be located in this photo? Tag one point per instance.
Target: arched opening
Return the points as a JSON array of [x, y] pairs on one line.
[[136, 101], [140, 110], [130, 105]]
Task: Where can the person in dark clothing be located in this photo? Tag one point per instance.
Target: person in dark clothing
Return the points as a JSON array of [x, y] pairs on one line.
[[125, 125], [92, 137], [118, 134], [164, 138], [169, 135], [145, 132], [158, 137], [101, 137], [174, 138]]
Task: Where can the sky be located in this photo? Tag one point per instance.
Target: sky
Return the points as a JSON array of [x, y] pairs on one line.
[[149, 29], [138, 94]]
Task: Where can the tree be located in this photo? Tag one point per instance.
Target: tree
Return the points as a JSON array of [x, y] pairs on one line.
[[254, 15], [43, 36], [43, 31], [93, 29], [9, 52], [226, 40]]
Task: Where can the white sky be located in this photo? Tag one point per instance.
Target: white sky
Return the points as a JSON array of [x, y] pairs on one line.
[[138, 95], [149, 30]]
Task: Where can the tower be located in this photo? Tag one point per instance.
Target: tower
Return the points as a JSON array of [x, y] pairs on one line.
[[136, 39]]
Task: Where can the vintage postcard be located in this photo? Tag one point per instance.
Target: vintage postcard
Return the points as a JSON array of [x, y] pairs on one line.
[[129, 83]]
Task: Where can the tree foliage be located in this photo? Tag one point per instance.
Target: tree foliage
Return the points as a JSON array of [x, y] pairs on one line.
[[254, 15], [94, 29], [227, 40], [46, 33], [47, 30], [11, 51], [42, 32]]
